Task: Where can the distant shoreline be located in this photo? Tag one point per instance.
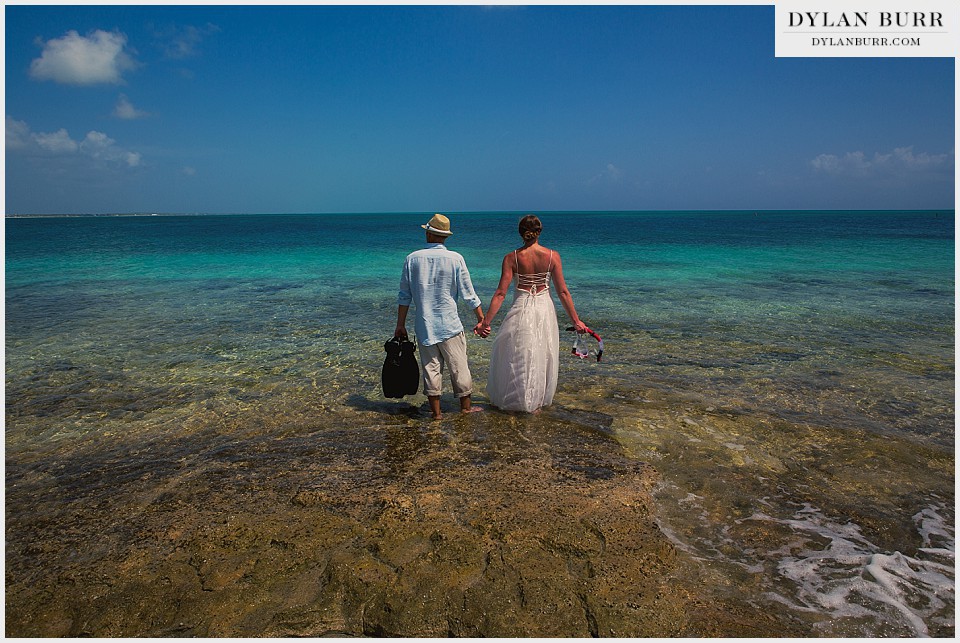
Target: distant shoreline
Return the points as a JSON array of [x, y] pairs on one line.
[[475, 212], [112, 215]]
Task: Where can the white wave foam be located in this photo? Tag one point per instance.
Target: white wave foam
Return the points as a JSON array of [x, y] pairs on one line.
[[837, 571]]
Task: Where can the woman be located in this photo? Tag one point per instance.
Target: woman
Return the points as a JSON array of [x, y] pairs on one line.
[[526, 352]]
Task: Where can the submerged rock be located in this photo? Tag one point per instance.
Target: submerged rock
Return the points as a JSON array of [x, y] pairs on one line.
[[487, 525]]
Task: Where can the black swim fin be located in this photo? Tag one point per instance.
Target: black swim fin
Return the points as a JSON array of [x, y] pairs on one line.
[[401, 372], [391, 376], [410, 367]]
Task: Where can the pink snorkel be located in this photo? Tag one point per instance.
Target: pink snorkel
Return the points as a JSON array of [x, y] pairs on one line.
[[580, 349]]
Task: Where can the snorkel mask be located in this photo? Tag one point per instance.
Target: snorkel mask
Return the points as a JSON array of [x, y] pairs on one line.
[[580, 347]]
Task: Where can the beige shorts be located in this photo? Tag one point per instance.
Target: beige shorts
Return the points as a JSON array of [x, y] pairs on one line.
[[453, 352]]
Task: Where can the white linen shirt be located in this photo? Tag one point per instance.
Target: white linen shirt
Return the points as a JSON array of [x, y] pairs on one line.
[[432, 279]]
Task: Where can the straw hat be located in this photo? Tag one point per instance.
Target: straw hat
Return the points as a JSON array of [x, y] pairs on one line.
[[439, 224]]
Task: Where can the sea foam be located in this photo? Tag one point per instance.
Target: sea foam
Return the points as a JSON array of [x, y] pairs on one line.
[[838, 572]]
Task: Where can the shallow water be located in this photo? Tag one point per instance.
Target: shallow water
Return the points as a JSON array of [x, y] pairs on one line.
[[790, 376]]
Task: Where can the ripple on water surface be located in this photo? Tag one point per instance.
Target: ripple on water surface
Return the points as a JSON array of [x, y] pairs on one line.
[[790, 380]]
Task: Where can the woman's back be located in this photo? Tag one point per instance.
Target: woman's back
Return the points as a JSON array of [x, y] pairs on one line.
[[532, 265]]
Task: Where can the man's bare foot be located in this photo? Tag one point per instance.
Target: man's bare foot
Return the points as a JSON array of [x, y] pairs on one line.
[[434, 402], [472, 409]]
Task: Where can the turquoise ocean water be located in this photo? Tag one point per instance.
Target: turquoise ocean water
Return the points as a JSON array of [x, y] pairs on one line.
[[739, 335]]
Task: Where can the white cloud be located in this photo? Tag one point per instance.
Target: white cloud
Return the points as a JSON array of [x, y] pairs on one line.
[[610, 174], [179, 43], [99, 146], [18, 134], [57, 142], [126, 110], [901, 160], [97, 141], [79, 60], [904, 156], [95, 145]]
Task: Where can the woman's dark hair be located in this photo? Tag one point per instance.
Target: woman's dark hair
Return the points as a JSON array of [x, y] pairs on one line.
[[530, 227]]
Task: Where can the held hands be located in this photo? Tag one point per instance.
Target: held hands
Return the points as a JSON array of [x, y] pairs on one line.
[[579, 326], [482, 330], [400, 332]]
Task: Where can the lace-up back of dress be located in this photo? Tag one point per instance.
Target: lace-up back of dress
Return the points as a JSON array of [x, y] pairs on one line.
[[536, 282]]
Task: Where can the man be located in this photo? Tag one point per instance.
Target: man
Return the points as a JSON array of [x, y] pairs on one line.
[[432, 279]]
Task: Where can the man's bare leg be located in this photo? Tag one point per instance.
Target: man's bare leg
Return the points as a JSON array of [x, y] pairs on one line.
[[466, 406], [435, 406]]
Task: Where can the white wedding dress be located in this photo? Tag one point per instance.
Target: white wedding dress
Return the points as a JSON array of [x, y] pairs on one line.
[[526, 351]]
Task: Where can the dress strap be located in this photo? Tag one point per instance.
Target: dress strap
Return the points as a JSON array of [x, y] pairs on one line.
[[516, 262]]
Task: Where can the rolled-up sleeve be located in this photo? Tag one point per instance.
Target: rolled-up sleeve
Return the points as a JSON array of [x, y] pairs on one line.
[[465, 285], [405, 296]]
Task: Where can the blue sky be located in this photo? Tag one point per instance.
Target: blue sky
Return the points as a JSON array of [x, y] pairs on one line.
[[461, 108]]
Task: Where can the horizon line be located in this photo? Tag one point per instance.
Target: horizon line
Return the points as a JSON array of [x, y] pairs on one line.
[[462, 212]]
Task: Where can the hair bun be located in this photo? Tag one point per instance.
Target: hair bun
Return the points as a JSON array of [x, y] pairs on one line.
[[530, 227]]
